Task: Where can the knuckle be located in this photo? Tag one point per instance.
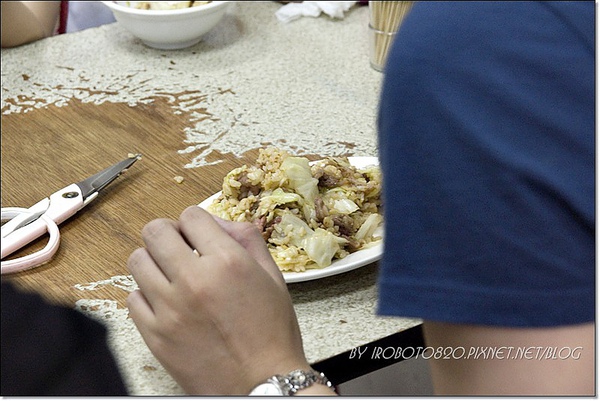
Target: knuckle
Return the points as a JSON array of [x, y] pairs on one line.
[[230, 260], [249, 229], [189, 213], [189, 209], [155, 228], [136, 258], [133, 301], [172, 324], [235, 265], [196, 291]]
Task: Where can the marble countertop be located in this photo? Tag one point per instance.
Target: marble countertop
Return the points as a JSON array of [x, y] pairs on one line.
[[305, 86]]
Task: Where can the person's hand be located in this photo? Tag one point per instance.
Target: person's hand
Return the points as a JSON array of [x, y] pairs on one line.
[[221, 320]]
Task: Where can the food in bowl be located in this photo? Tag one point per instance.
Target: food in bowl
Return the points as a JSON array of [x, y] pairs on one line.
[[164, 5], [309, 213], [168, 28]]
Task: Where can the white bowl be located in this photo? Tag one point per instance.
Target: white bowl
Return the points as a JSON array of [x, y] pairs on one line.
[[169, 29]]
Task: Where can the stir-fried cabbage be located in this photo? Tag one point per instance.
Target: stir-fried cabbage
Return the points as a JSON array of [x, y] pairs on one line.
[[280, 197], [320, 245], [300, 178], [309, 213], [367, 229]]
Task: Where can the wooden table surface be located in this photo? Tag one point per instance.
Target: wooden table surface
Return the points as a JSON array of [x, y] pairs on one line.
[[46, 150]]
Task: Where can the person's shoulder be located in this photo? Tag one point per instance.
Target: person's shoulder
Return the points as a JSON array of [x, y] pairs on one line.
[[578, 16]]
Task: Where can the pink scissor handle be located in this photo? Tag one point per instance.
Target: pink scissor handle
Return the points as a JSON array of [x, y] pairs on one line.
[[37, 258], [63, 204]]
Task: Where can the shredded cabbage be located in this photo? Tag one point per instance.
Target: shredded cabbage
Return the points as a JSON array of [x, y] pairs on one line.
[[320, 245], [369, 226], [345, 206], [280, 197], [300, 178]]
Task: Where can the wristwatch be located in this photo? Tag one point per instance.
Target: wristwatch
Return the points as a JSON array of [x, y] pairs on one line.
[[290, 383]]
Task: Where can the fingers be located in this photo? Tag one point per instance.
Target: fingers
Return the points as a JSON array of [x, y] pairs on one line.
[[225, 236], [167, 247], [154, 267], [249, 236], [139, 309], [170, 249], [143, 316], [204, 233], [148, 276]]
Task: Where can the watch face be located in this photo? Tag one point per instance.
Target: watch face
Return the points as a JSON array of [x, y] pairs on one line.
[[267, 389]]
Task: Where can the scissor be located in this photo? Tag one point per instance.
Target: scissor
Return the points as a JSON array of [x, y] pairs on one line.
[[25, 225]]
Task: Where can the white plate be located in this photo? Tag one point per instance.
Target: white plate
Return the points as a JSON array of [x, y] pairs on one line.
[[353, 261]]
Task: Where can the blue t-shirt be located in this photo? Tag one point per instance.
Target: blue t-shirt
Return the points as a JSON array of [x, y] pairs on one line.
[[486, 138]]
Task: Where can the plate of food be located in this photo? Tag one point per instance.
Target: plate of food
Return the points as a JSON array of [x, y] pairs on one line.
[[318, 218]]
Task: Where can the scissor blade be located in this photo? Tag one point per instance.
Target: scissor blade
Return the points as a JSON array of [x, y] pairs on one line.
[[99, 181]]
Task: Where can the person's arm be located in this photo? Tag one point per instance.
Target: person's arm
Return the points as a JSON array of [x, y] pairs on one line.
[[52, 351], [490, 221], [27, 21], [486, 360], [221, 322]]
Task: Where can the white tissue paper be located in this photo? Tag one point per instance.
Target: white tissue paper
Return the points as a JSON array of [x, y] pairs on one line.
[[292, 11]]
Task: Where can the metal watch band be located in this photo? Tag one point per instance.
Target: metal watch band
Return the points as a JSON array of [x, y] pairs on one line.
[[298, 379]]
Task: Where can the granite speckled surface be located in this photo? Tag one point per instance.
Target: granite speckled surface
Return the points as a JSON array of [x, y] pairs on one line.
[[257, 80], [305, 86]]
